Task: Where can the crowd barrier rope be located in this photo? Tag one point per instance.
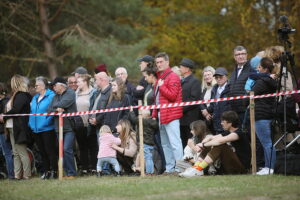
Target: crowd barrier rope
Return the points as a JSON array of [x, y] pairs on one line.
[[190, 103]]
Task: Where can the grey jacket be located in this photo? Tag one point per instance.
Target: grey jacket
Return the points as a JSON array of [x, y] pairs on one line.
[[67, 101]]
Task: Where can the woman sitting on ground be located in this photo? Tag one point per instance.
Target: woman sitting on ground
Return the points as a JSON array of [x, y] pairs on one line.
[[127, 151]]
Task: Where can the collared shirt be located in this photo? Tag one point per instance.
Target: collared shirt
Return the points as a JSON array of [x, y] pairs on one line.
[[220, 90], [239, 70]]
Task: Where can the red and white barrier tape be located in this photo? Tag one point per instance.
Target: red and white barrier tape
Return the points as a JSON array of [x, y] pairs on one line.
[[160, 106]]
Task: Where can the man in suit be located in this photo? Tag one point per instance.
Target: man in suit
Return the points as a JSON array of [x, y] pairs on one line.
[[191, 91], [238, 80]]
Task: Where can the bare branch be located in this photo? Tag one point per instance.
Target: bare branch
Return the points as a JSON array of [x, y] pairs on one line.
[[61, 32], [26, 33], [23, 59], [57, 13]]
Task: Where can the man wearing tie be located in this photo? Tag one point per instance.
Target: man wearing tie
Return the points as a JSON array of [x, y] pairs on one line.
[[238, 79]]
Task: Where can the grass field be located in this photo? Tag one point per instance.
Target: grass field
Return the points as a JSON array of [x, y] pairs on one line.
[[159, 187]]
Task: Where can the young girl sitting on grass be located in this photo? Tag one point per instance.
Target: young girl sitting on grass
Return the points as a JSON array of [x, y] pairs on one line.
[[199, 131], [106, 152]]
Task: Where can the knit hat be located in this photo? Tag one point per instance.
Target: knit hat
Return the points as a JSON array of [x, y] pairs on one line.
[[254, 62], [101, 68]]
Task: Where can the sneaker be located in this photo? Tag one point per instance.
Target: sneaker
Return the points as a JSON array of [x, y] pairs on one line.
[[191, 172], [265, 171]]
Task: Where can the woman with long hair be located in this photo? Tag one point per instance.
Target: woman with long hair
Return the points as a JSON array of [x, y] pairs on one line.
[[199, 131], [43, 127], [127, 151], [18, 126], [118, 98], [87, 143], [208, 82]]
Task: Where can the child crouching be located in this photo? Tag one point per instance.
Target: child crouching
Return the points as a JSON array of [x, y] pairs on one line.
[[106, 152]]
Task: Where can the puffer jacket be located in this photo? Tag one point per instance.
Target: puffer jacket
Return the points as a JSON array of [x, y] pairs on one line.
[[237, 88], [264, 107], [43, 123], [169, 92]]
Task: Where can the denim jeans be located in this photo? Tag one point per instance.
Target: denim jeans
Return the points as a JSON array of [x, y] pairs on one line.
[[69, 163], [7, 153], [171, 144], [111, 160], [148, 150], [263, 132]]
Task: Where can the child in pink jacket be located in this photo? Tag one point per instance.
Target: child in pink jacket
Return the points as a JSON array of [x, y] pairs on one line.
[[106, 153]]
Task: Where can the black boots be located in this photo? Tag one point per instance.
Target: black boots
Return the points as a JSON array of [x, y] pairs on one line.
[[46, 175], [53, 175], [49, 175]]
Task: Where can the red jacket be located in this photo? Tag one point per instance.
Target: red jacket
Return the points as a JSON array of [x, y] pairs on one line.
[[169, 92]]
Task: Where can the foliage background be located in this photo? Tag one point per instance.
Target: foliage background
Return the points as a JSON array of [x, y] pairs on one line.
[[91, 32]]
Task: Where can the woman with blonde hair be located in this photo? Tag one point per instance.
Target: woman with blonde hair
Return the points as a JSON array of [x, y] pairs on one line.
[[208, 81], [127, 151], [18, 126]]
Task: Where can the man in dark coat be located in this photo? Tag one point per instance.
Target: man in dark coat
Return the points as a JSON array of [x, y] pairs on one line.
[[220, 90], [238, 80], [64, 102], [191, 91], [141, 87]]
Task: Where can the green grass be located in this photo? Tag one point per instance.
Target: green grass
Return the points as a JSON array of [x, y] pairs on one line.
[[159, 187]]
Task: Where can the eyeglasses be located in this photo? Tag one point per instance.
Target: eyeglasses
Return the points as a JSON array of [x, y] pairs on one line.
[[75, 82], [120, 74], [240, 54]]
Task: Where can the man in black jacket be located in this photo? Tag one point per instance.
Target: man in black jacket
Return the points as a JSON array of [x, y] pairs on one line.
[[141, 87], [191, 91], [220, 90], [64, 102], [238, 80], [99, 100]]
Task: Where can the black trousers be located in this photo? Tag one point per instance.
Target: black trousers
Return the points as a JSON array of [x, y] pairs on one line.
[[185, 135], [46, 142], [88, 148], [126, 162]]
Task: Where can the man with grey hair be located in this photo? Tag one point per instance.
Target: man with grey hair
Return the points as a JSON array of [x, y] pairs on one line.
[[121, 72], [64, 102], [238, 80]]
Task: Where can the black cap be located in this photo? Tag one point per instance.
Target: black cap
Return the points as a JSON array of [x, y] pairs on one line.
[[59, 80], [221, 71], [146, 58], [81, 70], [186, 62]]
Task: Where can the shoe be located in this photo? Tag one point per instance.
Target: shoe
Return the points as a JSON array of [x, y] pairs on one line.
[[99, 174], [53, 175], [26, 178], [265, 171], [191, 172], [84, 173], [46, 175]]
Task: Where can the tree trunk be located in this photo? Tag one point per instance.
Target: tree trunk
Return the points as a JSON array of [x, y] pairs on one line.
[[49, 50]]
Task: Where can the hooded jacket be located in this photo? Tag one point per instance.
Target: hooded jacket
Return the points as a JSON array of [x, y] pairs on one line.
[[43, 123], [169, 92]]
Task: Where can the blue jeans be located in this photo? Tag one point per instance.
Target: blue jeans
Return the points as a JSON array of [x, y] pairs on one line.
[[263, 132], [171, 144], [7, 153], [69, 163], [148, 149], [111, 160]]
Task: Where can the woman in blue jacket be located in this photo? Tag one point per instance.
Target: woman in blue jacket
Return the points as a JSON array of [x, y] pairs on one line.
[[43, 127]]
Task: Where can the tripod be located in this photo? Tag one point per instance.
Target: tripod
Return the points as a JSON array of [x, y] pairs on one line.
[[287, 59]]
